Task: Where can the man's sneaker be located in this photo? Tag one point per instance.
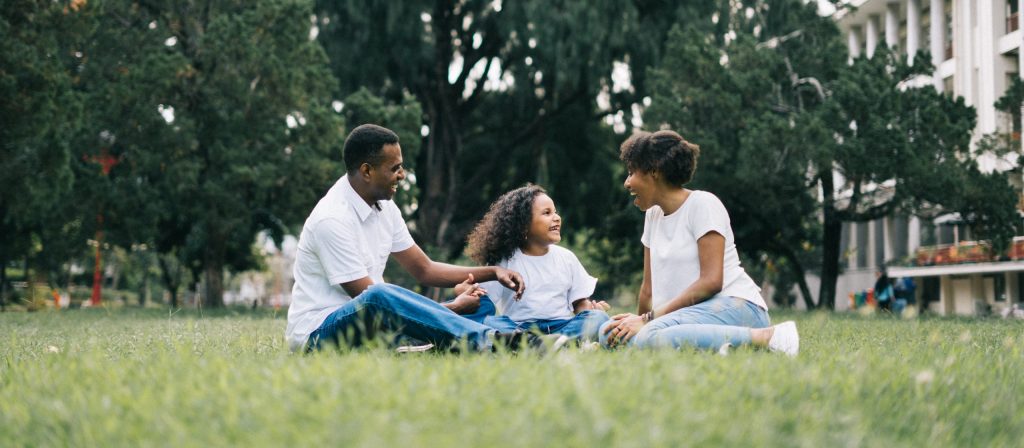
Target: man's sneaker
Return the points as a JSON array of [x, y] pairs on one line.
[[415, 348], [520, 340], [785, 339]]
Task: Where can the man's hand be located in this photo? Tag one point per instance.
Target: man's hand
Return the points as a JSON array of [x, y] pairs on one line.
[[623, 328], [469, 300], [511, 279]]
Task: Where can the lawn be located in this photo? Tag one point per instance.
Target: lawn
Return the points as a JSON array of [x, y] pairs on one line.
[[151, 378]]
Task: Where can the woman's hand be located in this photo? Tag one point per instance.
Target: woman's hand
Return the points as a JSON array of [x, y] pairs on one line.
[[623, 328]]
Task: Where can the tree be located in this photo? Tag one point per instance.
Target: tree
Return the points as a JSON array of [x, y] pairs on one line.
[[781, 117], [37, 115], [508, 91], [899, 147], [727, 84], [220, 115]]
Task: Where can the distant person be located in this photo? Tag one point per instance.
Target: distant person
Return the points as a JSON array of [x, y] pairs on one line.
[[904, 291], [883, 290], [340, 295], [694, 291], [521, 232]]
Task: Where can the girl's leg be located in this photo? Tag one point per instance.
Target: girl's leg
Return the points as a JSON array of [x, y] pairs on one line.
[[707, 325]]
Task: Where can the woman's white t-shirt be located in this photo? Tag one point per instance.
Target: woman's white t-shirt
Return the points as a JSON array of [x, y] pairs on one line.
[[553, 282], [675, 264]]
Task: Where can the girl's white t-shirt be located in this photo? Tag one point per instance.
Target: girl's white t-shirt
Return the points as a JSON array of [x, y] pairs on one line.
[[553, 282], [675, 264]]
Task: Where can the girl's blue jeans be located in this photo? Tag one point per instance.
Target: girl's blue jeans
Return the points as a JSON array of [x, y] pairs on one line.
[[584, 325]]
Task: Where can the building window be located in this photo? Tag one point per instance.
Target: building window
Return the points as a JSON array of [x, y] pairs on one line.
[[1012, 16], [947, 86], [862, 244], [999, 286], [949, 29]]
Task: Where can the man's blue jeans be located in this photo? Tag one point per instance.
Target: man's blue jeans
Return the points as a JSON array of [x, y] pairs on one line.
[[396, 310], [706, 325], [583, 326]]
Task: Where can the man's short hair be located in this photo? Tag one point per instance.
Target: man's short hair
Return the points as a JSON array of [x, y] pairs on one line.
[[365, 144]]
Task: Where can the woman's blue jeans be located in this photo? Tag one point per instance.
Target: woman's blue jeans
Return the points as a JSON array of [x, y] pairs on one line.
[[384, 308], [706, 325]]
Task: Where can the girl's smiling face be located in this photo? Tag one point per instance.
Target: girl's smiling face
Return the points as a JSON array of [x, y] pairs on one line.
[[546, 226]]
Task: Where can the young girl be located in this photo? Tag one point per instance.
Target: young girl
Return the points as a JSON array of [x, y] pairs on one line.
[[520, 232]]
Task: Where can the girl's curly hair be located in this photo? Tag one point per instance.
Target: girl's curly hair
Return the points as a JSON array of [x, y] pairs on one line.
[[505, 226]]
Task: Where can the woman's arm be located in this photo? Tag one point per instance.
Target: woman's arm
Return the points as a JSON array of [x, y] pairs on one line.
[[644, 297], [711, 252]]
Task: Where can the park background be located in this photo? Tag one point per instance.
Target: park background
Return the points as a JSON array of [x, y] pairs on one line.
[[167, 151], [178, 146], [170, 149]]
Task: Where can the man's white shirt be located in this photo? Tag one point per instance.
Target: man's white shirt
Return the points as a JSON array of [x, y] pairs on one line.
[[344, 239]]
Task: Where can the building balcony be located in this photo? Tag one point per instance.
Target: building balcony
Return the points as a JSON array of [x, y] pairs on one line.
[[966, 252]]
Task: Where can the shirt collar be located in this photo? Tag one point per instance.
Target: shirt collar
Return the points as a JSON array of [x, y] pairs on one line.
[[362, 209]]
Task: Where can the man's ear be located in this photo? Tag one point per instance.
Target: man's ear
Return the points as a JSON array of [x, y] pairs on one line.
[[364, 171]]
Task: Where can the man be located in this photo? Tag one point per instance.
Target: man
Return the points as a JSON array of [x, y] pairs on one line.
[[339, 291]]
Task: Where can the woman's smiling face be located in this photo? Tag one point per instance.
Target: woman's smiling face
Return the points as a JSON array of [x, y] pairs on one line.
[[642, 187]]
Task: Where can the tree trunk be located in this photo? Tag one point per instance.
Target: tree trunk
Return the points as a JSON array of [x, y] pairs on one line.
[[833, 228], [3, 284], [801, 280], [213, 263], [437, 170], [170, 282]]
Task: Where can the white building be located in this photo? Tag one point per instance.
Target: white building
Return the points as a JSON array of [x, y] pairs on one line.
[[975, 47]]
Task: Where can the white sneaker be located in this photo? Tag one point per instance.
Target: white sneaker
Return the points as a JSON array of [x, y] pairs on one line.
[[785, 339], [724, 349], [414, 348]]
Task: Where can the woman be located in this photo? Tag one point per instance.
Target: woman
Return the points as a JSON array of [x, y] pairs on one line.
[[694, 291]]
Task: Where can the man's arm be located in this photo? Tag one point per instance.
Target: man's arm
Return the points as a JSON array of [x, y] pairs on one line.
[[432, 273], [467, 302], [356, 287]]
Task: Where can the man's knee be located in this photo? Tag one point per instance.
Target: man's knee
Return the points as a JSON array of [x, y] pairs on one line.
[[379, 293]]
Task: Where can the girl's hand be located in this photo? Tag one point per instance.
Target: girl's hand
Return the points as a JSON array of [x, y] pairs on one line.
[[582, 305], [468, 301], [623, 328], [466, 286]]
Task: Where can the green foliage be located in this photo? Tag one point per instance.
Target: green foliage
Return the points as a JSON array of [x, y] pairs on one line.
[[38, 114], [742, 101], [252, 144], [142, 378], [795, 141], [508, 95]]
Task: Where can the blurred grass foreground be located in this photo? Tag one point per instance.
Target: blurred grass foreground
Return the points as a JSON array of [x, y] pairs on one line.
[[132, 377]]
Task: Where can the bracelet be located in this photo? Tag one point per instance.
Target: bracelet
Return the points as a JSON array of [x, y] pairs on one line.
[[646, 317]]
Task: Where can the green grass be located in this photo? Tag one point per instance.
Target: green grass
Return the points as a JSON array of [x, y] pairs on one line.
[[147, 378]]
